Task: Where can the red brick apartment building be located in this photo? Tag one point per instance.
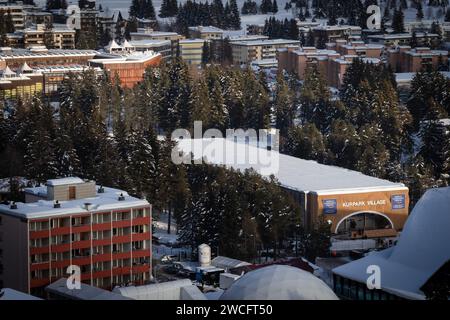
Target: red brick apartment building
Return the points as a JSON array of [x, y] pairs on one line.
[[70, 221], [405, 59]]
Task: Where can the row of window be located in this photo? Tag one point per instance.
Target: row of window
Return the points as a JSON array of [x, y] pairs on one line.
[[349, 289], [86, 220], [86, 252]]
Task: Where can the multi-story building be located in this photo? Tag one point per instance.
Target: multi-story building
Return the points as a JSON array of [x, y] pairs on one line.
[[191, 51], [58, 37], [17, 14], [333, 33], [244, 52], [37, 17], [149, 34], [332, 62], [401, 39], [205, 33], [405, 59], [130, 67], [73, 222], [164, 47]]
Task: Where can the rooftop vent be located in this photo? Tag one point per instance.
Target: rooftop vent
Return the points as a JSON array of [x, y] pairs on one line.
[[101, 190], [121, 197], [87, 205], [56, 204], [13, 205]]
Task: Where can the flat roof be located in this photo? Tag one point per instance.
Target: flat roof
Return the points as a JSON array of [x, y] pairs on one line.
[[86, 292], [44, 208], [265, 42], [30, 53], [291, 172]]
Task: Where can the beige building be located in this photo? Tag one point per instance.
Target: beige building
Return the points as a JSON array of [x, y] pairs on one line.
[[17, 15], [400, 39], [206, 33], [334, 33], [405, 59], [244, 52], [59, 37], [191, 51], [150, 34]]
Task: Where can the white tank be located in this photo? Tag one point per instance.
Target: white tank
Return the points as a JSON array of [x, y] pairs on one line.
[[204, 255]]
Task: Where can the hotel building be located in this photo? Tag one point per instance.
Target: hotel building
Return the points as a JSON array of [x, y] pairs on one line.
[[70, 221], [191, 51], [405, 59]]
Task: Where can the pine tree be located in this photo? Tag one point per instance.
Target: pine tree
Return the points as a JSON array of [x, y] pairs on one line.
[[284, 106], [235, 19], [419, 14], [274, 6], [306, 142], [398, 21]]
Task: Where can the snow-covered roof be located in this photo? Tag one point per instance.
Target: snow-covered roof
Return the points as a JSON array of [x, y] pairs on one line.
[[293, 173], [126, 44], [206, 29], [8, 72], [108, 200], [421, 249], [171, 290], [25, 68], [278, 282], [11, 294], [113, 45], [267, 42], [63, 181], [228, 263], [86, 292]]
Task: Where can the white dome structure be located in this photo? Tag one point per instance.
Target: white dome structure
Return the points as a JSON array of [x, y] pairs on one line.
[[279, 282], [422, 249]]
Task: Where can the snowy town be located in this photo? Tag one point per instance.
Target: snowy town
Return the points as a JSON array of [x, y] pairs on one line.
[[228, 150]]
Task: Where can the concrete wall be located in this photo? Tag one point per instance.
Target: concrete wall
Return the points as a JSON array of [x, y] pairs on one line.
[[14, 240]]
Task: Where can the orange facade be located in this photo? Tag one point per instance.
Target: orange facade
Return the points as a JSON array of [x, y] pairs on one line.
[[130, 72]]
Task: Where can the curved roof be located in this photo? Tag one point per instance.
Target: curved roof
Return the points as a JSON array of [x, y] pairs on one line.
[[421, 250], [279, 282]]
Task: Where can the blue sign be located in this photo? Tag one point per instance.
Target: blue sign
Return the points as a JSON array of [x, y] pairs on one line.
[[329, 206], [398, 201]]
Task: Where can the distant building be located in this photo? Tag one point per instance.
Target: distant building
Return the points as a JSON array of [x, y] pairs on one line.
[[17, 14], [334, 33], [37, 17], [255, 29], [332, 62], [402, 39], [163, 47], [351, 202], [70, 221], [206, 33], [191, 51], [408, 268], [130, 67], [59, 37], [150, 34], [405, 59], [41, 56], [244, 52]]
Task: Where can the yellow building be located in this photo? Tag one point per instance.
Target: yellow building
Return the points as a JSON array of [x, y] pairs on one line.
[[191, 51]]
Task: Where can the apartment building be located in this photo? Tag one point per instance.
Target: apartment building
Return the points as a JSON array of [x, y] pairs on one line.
[[206, 33], [333, 33], [401, 39], [332, 63], [405, 59], [37, 17], [17, 14], [244, 52], [59, 37], [73, 222], [191, 51]]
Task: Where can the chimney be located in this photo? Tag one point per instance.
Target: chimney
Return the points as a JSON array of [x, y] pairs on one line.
[[13, 205], [121, 197], [101, 190], [56, 204]]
